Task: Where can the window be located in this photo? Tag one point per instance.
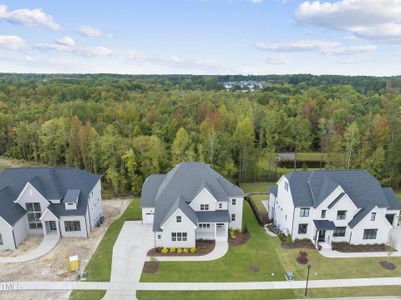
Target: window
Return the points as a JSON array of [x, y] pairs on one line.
[[323, 214], [72, 225], [304, 212], [159, 236], [369, 234], [52, 225], [286, 185], [339, 232], [179, 236], [286, 217], [302, 228], [204, 207], [204, 225], [341, 214], [1, 239], [373, 216], [234, 201], [220, 205], [33, 212], [232, 217], [178, 218]]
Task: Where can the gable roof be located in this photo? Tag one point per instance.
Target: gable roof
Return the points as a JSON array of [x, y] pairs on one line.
[[180, 204], [52, 183], [359, 216], [310, 188], [186, 180], [273, 190]]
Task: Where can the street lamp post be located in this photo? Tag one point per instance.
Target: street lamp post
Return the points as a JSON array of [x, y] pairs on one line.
[[307, 280]]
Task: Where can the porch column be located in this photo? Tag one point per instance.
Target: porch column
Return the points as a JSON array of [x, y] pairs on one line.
[[215, 231]]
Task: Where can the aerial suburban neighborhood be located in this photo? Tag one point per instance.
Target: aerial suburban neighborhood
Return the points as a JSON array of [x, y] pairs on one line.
[[200, 150]]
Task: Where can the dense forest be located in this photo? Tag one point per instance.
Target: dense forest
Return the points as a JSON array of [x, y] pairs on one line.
[[127, 127]]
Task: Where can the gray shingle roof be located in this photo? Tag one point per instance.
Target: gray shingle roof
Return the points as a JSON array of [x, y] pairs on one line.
[[359, 216], [52, 183], [309, 188], [185, 180], [213, 216], [71, 196], [273, 190], [336, 200], [324, 225]]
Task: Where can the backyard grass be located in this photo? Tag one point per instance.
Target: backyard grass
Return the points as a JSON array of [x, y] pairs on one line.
[[257, 187], [87, 294], [99, 267], [270, 294]]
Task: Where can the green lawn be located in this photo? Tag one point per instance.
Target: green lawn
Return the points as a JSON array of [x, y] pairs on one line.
[[99, 267], [257, 187], [271, 258], [269, 294], [234, 266], [87, 295]]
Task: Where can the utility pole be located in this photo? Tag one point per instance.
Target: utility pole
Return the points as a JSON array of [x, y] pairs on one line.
[[307, 280]]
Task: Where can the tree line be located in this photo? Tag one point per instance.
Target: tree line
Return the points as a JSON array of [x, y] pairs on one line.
[[129, 127]]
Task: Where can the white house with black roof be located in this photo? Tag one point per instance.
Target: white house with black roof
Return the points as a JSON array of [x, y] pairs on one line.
[[190, 202], [65, 202], [334, 206]]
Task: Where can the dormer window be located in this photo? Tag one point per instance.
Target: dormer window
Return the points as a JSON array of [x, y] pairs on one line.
[[204, 207], [178, 219]]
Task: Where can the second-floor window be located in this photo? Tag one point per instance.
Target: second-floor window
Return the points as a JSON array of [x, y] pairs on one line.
[[341, 214], [373, 216], [178, 218], [220, 205], [234, 201], [204, 207], [304, 212], [323, 215]]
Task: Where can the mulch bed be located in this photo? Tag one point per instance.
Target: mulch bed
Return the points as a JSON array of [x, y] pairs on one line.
[[241, 239], [298, 244], [387, 265], [345, 247], [150, 267], [203, 247]]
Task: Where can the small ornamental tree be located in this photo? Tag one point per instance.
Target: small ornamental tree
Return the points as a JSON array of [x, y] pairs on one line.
[[302, 257]]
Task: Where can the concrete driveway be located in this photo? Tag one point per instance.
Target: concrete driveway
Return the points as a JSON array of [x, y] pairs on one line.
[[129, 255]]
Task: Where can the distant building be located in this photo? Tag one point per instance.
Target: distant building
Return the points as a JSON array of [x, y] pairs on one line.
[[51, 201]]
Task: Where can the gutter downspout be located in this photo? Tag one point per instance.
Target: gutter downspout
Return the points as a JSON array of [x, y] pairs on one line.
[[15, 243]]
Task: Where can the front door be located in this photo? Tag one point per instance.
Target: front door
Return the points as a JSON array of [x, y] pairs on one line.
[[322, 235]]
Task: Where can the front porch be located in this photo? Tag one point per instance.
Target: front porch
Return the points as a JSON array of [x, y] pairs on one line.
[[50, 224], [323, 234], [213, 231]]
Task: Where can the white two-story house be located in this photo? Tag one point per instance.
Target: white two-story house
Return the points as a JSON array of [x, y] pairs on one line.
[[334, 206], [190, 202], [52, 202]]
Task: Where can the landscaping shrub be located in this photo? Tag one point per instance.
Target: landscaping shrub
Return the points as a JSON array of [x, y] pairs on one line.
[[288, 239], [185, 250], [164, 250], [172, 250], [179, 250], [193, 250], [302, 257]]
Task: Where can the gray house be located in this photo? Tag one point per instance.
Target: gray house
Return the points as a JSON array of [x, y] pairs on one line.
[[334, 206], [190, 202], [51, 201]]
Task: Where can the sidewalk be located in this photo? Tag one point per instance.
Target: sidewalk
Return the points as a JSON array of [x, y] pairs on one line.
[[219, 251], [48, 243]]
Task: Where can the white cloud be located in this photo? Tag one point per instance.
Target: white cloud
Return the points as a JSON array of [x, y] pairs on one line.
[[96, 51], [297, 46], [323, 47], [172, 61], [28, 17], [90, 31], [277, 60], [12, 42], [66, 41], [256, 1], [368, 19]]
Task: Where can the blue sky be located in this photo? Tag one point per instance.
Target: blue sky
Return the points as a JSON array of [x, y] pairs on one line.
[[201, 36]]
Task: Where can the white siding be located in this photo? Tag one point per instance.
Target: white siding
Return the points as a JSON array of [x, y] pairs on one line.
[[170, 226], [283, 207], [82, 233], [379, 223], [7, 235], [237, 211], [204, 197], [271, 201], [21, 230], [95, 205], [148, 215]]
